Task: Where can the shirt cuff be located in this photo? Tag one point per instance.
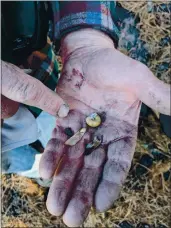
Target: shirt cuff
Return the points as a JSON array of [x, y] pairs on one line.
[[74, 15]]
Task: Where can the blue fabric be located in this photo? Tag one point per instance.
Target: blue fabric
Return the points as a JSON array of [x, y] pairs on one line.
[[24, 160]]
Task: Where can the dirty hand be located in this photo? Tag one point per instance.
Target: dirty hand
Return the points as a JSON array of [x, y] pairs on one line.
[[96, 78], [18, 87]]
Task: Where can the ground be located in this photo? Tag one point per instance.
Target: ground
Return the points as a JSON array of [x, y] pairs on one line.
[[145, 197]]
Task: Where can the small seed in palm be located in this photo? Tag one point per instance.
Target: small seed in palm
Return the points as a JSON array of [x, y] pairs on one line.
[[93, 120], [69, 132]]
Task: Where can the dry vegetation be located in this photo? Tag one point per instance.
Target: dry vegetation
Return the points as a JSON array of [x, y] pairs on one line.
[[143, 199]]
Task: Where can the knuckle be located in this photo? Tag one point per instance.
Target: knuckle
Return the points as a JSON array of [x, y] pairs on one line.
[[19, 89], [9, 84], [28, 91], [22, 90]]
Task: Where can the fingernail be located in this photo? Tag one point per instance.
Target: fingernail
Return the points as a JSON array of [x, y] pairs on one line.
[[63, 111]]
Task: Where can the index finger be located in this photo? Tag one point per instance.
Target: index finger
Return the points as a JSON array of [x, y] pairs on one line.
[[18, 86]]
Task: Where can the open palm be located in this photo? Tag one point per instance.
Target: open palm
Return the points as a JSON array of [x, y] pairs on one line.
[[100, 79]]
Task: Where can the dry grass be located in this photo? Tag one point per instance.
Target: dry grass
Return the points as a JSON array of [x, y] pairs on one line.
[[153, 27], [141, 200]]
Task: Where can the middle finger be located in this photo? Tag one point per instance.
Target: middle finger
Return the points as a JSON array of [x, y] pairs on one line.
[[64, 177]]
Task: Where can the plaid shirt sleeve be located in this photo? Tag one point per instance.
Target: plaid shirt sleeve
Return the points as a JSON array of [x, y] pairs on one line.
[[69, 16]]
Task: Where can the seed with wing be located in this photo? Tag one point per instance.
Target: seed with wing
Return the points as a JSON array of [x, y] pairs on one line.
[[76, 137]]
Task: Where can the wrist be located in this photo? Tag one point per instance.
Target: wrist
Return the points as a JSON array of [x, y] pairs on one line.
[[85, 39]]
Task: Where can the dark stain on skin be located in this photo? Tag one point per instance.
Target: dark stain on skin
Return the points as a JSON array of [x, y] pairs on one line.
[[87, 201], [67, 76], [129, 141], [129, 129], [80, 77], [158, 102], [67, 184], [110, 102], [154, 98], [102, 116], [77, 73], [84, 199], [78, 85]]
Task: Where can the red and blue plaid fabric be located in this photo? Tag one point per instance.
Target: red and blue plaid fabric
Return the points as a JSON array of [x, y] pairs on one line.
[[72, 15]]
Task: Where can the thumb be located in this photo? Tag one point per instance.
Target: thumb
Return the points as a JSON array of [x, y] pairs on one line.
[[153, 92], [18, 86]]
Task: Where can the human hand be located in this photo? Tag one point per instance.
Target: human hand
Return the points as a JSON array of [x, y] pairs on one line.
[[96, 78], [18, 87]]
